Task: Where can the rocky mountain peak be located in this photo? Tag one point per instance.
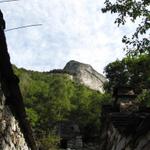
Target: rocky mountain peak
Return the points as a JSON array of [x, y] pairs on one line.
[[85, 74]]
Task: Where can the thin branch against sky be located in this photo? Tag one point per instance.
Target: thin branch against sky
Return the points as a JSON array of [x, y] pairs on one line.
[[22, 27], [5, 1], [73, 30]]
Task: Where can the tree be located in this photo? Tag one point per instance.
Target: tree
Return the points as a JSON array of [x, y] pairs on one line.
[[130, 71], [139, 43], [117, 74]]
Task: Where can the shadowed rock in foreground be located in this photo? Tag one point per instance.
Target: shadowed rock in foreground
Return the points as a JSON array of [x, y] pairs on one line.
[[15, 131]]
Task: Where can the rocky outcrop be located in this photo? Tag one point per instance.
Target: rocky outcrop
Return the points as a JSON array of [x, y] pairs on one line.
[[11, 136], [85, 74]]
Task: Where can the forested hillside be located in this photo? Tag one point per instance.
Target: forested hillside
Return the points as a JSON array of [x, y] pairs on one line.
[[53, 98]]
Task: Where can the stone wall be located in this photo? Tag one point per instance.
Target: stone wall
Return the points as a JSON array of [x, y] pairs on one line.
[[11, 136], [115, 141], [125, 133]]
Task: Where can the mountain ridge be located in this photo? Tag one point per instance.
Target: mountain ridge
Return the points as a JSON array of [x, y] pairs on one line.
[[81, 73]]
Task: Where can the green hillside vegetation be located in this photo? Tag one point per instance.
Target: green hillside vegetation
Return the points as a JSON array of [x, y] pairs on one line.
[[52, 98]]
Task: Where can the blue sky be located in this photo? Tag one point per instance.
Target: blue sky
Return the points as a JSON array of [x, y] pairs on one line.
[[71, 30]]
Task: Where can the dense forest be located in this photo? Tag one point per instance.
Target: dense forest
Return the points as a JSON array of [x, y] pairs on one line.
[[53, 98]]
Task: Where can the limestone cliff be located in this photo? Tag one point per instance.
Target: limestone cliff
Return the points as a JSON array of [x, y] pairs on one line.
[[85, 74]]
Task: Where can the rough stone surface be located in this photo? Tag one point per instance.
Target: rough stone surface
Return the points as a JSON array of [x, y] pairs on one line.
[[85, 74], [11, 137], [113, 140]]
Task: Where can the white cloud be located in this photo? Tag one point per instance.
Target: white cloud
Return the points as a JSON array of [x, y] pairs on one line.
[[72, 29]]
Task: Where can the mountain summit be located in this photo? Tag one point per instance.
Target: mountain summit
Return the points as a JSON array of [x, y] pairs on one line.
[[85, 74]]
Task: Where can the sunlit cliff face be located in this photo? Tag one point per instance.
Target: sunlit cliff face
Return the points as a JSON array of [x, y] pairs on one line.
[[85, 74]]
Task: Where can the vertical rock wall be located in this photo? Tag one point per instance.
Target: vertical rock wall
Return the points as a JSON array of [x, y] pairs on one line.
[[11, 137], [116, 141], [131, 139], [11, 133]]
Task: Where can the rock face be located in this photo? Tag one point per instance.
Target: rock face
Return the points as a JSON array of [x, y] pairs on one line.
[[117, 141], [128, 130], [11, 137], [85, 74]]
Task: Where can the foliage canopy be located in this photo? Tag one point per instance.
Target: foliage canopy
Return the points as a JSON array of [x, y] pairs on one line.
[[133, 70], [139, 43]]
